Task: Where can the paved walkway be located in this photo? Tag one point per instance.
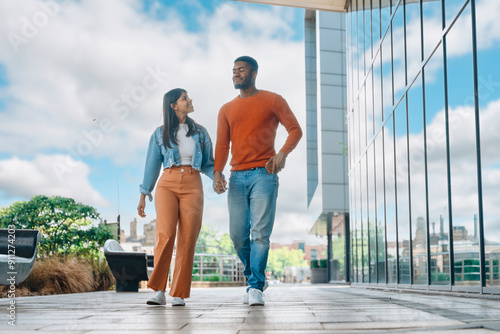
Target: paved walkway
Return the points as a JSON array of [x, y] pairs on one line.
[[289, 309]]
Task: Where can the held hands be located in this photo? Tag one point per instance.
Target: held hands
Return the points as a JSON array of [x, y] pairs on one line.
[[219, 183], [276, 163], [142, 206]]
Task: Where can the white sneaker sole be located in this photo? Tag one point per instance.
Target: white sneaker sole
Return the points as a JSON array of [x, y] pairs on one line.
[[151, 302]]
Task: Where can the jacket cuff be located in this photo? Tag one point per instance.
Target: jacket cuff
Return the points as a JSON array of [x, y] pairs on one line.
[[147, 193]]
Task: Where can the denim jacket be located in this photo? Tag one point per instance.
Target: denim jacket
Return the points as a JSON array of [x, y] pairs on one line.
[[203, 157]]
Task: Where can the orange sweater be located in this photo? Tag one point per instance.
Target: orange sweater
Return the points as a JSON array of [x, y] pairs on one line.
[[249, 125]]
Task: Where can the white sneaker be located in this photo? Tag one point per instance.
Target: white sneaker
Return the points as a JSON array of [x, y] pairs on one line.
[[255, 297], [178, 302], [158, 298], [245, 297]]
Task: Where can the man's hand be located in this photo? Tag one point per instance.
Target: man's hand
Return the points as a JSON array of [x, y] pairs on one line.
[[219, 182], [276, 163], [142, 206]]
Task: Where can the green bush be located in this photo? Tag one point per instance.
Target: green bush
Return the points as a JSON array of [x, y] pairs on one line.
[[66, 226]]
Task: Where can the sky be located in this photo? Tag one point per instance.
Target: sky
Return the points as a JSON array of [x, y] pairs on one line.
[[81, 88]]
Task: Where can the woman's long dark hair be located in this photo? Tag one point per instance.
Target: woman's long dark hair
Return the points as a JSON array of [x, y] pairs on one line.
[[170, 120]]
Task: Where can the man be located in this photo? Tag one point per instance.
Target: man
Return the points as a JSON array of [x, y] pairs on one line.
[[248, 125]]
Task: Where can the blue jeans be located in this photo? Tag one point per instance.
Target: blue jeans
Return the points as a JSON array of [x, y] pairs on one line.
[[252, 198]]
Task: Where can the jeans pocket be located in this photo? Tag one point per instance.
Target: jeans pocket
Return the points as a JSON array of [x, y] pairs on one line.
[[263, 171]]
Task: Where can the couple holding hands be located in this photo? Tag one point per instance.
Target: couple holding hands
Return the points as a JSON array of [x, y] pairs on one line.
[[247, 125]]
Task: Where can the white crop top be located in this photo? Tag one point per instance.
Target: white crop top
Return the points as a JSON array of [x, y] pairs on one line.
[[186, 145]]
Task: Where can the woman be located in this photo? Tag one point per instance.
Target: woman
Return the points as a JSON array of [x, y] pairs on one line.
[[185, 149]]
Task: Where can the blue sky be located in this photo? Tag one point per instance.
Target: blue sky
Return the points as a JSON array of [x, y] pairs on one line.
[[83, 63]]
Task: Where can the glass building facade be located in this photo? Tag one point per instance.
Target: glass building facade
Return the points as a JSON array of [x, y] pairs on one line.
[[423, 96]]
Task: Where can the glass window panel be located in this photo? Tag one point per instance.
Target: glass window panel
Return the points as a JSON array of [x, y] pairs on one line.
[[417, 179], [355, 217], [361, 42], [364, 220], [375, 24], [437, 169], [377, 93], [398, 53], [371, 214], [413, 40], [432, 25], [355, 137], [380, 201], [387, 76], [489, 101], [362, 119], [368, 34], [463, 162], [451, 9], [359, 244], [385, 17], [350, 123], [355, 50], [394, 4], [369, 106], [403, 207], [390, 196]]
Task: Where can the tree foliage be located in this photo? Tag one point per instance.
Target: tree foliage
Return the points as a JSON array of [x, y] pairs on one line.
[[283, 257], [66, 226], [211, 242]]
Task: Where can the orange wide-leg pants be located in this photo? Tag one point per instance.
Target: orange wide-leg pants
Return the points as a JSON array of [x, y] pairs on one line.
[[179, 210]]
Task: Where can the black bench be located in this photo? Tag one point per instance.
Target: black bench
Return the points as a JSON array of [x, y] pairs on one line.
[[17, 254], [129, 268]]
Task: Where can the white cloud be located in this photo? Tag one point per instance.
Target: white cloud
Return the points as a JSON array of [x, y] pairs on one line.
[[48, 175], [94, 59]]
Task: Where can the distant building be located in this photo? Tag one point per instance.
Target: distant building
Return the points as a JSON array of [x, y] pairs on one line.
[[310, 252], [149, 231]]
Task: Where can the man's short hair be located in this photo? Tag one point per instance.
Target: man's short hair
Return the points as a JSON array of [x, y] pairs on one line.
[[250, 61]]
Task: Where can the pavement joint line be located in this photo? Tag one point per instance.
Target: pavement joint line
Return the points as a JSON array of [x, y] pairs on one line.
[[431, 292]]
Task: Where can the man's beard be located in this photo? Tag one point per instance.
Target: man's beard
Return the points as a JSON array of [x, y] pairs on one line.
[[244, 84]]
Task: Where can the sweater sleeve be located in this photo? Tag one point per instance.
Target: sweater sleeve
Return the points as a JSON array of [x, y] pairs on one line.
[[289, 121], [223, 141]]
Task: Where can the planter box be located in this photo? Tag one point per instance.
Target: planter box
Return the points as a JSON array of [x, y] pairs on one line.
[[319, 275]]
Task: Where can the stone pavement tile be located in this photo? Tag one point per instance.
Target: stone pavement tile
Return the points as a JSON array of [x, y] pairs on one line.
[[386, 325], [118, 327], [123, 331], [454, 331], [197, 328]]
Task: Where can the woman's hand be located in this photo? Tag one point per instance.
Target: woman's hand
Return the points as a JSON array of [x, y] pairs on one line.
[[142, 206]]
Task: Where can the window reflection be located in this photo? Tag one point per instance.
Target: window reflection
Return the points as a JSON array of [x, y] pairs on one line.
[[398, 52], [408, 149], [380, 202], [417, 178], [371, 215], [413, 39], [432, 25], [364, 220], [387, 75], [489, 104], [451, 9], [390, 201], [437, 169], [403, 209], [463, 162]]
